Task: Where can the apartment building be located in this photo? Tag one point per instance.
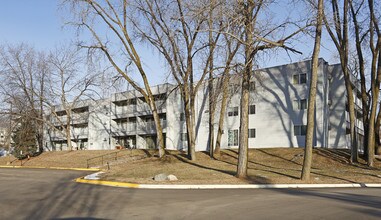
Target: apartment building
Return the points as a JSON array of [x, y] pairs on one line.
[[277, 114]]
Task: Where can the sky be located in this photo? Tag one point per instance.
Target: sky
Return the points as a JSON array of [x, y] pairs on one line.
[[40, 23], [37, 22]]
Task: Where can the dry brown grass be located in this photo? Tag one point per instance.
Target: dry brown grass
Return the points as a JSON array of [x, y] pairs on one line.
[[265, 166], [66, 159], [276, 165]]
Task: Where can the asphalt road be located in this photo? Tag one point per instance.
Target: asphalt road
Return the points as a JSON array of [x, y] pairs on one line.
[[51, 194]]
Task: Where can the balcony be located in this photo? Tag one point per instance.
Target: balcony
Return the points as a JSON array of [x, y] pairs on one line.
[[61, 120], [80, 118], [144, 109], [124, 129], [124, 111], [80, 133], [56, 136], [149, 127]]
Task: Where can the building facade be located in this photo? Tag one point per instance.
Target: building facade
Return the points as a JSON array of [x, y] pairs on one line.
[[277, 114]]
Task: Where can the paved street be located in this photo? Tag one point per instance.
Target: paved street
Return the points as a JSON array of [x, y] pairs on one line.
[[51, 194]]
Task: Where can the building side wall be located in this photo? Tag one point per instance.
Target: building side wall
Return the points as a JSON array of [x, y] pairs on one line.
[[337, 119]]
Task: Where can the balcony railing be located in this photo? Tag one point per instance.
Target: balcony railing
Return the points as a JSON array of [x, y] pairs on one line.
[[123, 111], [150, 126], [126, 127], [59, 121], [81, 134]]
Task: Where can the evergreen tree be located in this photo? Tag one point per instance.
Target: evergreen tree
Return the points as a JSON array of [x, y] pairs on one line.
[[24, 138]]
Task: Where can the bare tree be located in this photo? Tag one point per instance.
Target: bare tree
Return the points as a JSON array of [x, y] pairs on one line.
[[69, 85], [360, 34], [114, 16], [212, 105], [232, 47], [175, 29], [306, 171], [338, 32], [23, 73], [375, 70], [256, 39]]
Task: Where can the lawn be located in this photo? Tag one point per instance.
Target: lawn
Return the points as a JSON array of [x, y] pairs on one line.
[[278, 165], [66, 159], [275, 165]]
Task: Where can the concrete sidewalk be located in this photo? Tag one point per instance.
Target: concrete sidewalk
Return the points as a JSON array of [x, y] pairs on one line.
[[95, 179]]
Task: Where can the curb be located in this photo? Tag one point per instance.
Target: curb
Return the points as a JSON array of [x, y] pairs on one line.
[[108, 183], [243, 186], [53, 168]]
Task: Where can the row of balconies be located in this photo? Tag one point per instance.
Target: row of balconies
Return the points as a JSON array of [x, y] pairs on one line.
[[76, 118], [142, 127], [75, 134], [122, 111]]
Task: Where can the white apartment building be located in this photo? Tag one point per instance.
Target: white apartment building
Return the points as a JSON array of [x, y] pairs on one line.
[[277, 114]]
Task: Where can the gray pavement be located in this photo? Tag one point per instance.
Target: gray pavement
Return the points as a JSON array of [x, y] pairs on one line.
[[51, 194]]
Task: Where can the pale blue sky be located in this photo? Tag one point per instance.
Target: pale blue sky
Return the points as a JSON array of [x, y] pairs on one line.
[[37, 22], [40, 23]]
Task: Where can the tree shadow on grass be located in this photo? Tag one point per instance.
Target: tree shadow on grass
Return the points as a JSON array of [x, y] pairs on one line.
[[264, 170], [259, 164], [184, 159], [279, 157], [340, 156], [251, 179], [284, 174]]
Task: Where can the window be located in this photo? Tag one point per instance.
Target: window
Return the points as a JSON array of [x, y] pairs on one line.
[[252, 133], [299, 78], [252, 86], [300, 130], [233, 111], [303, 78], [300, 104], [182, 117], [252, 109], [233, 138], [183, 137]]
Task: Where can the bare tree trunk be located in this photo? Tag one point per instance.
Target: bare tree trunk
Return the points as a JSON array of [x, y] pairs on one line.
[[364, 97], [306, 171], [375, 79], [224, 101], [244, 125], [373, 110], [377, 128], [212, 98], [159, 129], [68, 131], [247, 73], [192, 125], [188, 106], [225, 90]]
